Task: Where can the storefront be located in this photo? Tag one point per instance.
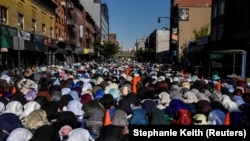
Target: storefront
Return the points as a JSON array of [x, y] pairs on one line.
[[196, 51], [77, 53], [6, 34], [60, 52], [52, 48], [34, 51]]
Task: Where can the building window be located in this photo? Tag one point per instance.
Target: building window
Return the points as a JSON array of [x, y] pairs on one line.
[[213, 34], [51, 32], [56, 32], [33, 25], [20, 21], [221, 7], [214, 12], [43, 29], [220, 30], [59, 33], [3, 15], [65, 35]]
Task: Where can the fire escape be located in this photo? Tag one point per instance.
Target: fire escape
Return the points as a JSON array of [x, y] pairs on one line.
[[70, 24]]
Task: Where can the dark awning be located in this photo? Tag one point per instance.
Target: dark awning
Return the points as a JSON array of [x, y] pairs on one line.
[[4, 44]]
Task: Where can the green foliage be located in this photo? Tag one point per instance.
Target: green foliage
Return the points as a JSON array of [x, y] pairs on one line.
[[97, 46], [204, 31], [145, 55], [108, 50]]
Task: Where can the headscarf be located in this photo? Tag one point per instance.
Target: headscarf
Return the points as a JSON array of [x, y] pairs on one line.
[[157, 117], [115, 93], [65, 99], [174, 106], [148, 105], [203, 106], [44, 93], [111, 133], [56, 96], [3, 103], [200, 119], [67, 118], [80, 134], [107, 101], [51, 109], [41, 100], [31, 95], [230, 105], [139, 117], [9, 122], [30, 107], [14, 107], [86, 98], [20, 134], [74, 94], [176, 94], [18, 97], [189, 97], [216, 117], [76, 107], [99, 94], [125, 105], [46, 133], [120, 118]]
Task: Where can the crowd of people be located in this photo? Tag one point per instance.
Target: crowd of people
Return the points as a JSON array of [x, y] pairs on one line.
[[98, 102]]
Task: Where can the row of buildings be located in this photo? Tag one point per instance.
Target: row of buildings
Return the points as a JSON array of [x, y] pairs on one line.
[[36, 32], [224, 50]]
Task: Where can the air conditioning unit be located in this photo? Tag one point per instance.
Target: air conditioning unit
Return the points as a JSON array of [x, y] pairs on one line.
[[60, 39], [63, 3], [4, 19], [32, 29], [56, 10]]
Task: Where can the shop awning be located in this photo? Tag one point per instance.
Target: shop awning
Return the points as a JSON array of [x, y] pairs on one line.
[[85, 51], [216, 56], [4, 44], [78, 50]]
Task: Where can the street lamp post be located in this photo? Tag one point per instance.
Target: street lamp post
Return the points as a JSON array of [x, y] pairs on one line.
[[159, 19], [174, 30]]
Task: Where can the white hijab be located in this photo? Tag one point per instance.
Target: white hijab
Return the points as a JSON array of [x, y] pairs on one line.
[[230, 105], [20, 134], [14, 107], [30, 107], [80, 134]]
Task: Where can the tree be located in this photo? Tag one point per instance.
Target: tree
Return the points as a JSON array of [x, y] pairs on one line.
[[107, 49], [204, 31], [145, 55]]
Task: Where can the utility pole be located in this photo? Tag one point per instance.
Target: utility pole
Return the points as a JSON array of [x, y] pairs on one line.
[[170, 36]]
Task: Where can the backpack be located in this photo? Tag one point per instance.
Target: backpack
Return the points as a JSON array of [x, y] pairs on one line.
[[183, 117]]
